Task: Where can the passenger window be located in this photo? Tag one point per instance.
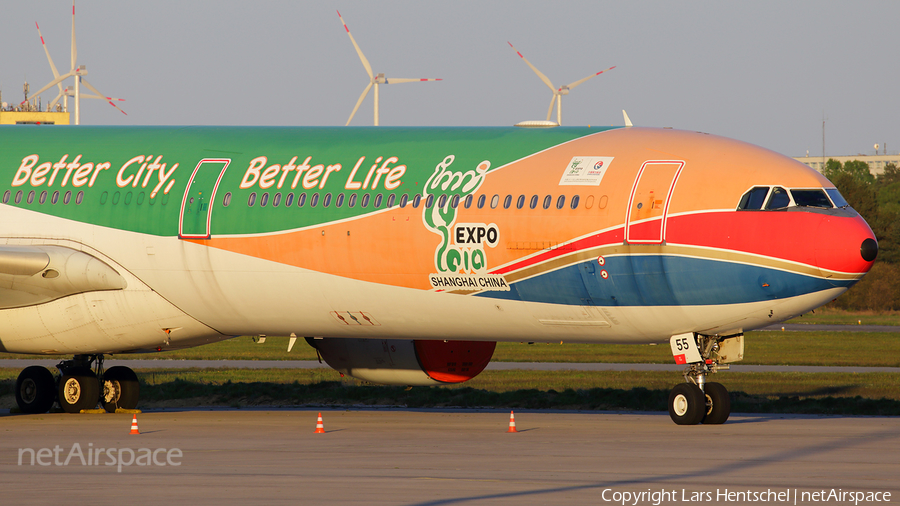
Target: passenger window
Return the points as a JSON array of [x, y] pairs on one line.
[[289, 200], [66, 198], [520, 202], [339, 201], [507, 202], [42, 198], [754, 198], [547, 200], [454, 201], [276, 200], [534, 201], [575, 200], [54, 199], [365, 201], [326, 200], [417, 199], [481, 199], [403, 200], [227, 200], [495, 201], [352, 200], [30, 197], [262, 200], [468, 201], [377, 202], [6, 195], [314, 200], [429, 201], [811, 198], [301, 199], [80, 197], [391, 198], [779, 199], [561, 201], [442, 201], [250, 200]]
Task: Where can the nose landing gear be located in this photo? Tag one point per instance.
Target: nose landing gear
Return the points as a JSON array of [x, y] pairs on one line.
[[697, 400]]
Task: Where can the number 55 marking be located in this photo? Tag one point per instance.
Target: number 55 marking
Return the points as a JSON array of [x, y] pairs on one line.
[[684, 349]]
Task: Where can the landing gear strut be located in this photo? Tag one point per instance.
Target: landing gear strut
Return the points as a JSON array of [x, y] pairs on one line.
[[698, 400], [78, 387]]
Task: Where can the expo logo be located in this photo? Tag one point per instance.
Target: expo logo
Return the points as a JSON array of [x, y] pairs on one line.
[[476, 234]]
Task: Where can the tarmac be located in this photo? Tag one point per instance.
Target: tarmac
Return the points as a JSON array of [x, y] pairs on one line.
[[444, 457]]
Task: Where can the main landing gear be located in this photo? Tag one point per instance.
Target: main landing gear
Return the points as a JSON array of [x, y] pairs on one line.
[[698, 400], [77, 387]]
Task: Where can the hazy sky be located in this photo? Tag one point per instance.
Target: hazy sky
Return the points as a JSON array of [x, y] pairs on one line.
[[762, 72]]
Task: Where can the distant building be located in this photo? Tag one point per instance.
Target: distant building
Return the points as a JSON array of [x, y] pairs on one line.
[[876, 163], [33, 118]]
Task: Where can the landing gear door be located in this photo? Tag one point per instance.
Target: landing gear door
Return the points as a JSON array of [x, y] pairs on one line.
[[196, 206], [648, 204], [684, 349]]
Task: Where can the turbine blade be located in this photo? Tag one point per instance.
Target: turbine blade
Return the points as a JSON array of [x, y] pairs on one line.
[[576, 83], [398, 81], [358, 102], [50, 85], [362, 57], [101, 95], [74, 48], [55, 100], [536, 71], [52, 66], [550, 110]]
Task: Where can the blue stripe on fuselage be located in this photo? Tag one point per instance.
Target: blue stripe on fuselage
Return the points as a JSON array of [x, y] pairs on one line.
[[663, 280]]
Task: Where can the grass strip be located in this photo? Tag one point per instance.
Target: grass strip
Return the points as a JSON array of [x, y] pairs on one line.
[[808, 393], [761, 348]]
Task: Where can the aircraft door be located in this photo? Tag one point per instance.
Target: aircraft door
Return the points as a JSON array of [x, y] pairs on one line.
[[196, 206], [648, 205]]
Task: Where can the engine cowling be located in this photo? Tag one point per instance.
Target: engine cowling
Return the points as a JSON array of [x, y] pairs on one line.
[[405, 362]]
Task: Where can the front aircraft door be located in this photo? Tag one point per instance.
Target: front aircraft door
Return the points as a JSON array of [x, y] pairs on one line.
[[648, 205], [196, 206]]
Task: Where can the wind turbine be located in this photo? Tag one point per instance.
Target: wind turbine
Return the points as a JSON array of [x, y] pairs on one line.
[[557, 92], [75, 71], [373, 78]]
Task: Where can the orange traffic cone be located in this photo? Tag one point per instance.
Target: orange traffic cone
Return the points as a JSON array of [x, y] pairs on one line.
[[512, 422], [134, 427], [320, 427]]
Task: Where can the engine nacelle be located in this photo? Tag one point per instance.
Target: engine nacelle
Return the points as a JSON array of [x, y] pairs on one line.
[[405, 362]]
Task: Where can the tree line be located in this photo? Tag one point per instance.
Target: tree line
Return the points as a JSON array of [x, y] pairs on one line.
[[877, 199]]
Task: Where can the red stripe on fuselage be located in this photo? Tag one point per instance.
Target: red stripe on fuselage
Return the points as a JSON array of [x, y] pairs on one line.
[[826, 241]]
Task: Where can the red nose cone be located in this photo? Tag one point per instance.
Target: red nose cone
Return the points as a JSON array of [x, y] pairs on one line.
[[846, 245]]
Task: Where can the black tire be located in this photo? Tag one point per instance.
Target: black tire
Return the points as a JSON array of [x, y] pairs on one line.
[[35, 390], [120, 389], [687, 404], [718, 403], [78, 389]]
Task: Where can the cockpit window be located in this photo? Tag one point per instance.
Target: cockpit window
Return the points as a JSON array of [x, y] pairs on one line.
[[755, 198], [779, 199], [836, 197], [811, 198]]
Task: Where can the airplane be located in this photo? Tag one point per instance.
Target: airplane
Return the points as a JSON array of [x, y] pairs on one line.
[[403, 255]]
